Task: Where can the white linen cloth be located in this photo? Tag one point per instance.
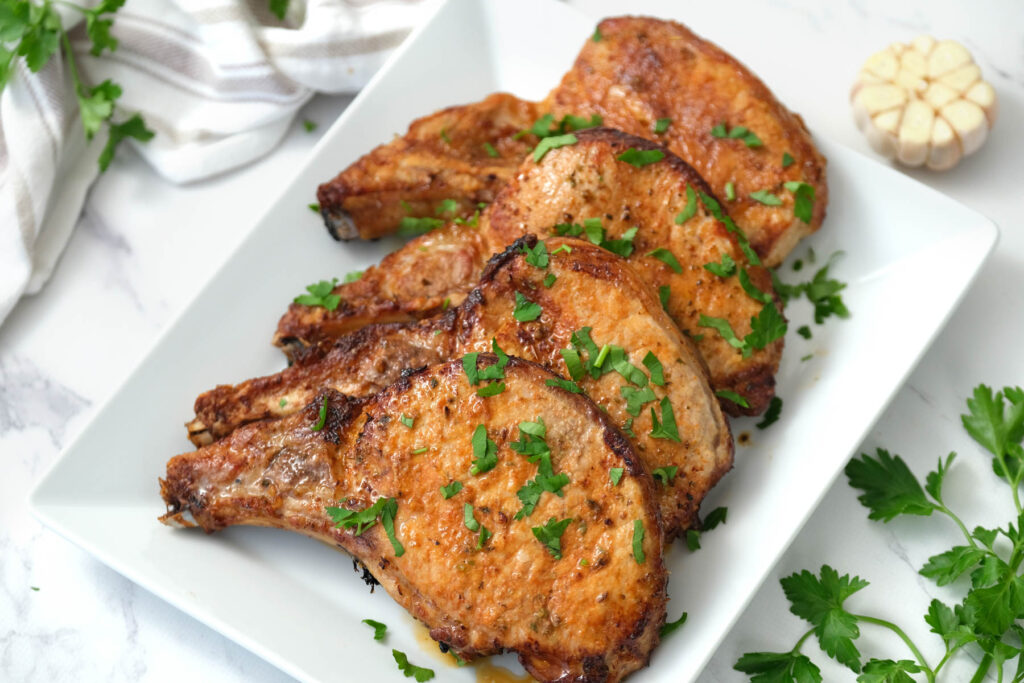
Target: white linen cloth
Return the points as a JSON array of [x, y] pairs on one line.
[[217, 81]]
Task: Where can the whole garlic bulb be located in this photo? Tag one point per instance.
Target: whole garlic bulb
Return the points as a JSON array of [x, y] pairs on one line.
[[924, 103]]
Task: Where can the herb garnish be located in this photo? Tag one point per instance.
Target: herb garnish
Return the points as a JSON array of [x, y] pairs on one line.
[[636, 398], [378, 628], [420, 673], [766, 198], [730, 191], [473, 525], [690, 210], [417, 451], [664, 293], [532, 444], [418, 226], [641, 157], [666, 427], [566, 384], [712, 205], [353, 276], [597, 37], [315, 208], [550, 535], [771, 416], [667, 257], [713, 519], [451, 489], [787, 160], [661, 125], [656, 369], [485, 452], [536, 256], [615, 474], [822, 291], [549, 280], [766, 327], [726, 268], [737, 133], [804, 331], [665, 474], [407, 421], [491, 152], [446, 206], [553, 142], [320, 295], [803, 196], [322, 418], [732, 396], [525, 310], [596, 234], [384, 508], [671, 626], [638, 541]]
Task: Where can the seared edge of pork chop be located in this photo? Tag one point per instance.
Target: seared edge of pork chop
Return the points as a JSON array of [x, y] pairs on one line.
[[595, 290], [591, 615]]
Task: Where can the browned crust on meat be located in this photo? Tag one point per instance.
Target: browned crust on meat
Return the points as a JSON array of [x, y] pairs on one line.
[[621, 310], [567, 620], [644, 69]]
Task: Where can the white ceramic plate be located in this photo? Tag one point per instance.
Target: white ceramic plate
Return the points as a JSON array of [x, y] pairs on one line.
[[909, 255]]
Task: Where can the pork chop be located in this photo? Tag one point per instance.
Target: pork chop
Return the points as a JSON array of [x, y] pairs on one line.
[[568, 574], [659, 363], [585, 189]]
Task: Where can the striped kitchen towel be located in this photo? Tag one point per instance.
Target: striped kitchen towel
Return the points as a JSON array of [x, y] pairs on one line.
[[218, 81]]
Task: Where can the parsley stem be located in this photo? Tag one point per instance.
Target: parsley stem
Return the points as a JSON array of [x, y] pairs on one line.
[[800, 643], [70, 56], [949, 653], [953, 516], [928, 672]]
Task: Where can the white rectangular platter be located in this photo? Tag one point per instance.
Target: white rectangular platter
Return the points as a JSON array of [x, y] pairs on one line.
[[910, 253]]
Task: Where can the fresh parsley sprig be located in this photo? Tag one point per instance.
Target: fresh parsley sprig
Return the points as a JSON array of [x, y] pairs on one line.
[[986, 619], [35, 32]]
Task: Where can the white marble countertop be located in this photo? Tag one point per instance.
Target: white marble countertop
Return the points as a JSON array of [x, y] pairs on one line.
[[127, 273]]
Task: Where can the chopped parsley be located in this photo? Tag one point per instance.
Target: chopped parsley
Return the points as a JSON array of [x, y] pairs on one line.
[[661, 125], [803, 199], [628, 429], [550, 535], [765, 197], [670, 626], [533, 445], [730, 191], [656, 369], [353, 276], [494, 371], [690, 210], [636, 398], [615, 474], [565, 247], [771, 416], [641, 157], [378, 628], [470, 521], [665, 475], [410, 670], [407, 421], [444, 135], [638, 541], [310, 126], [320, 295], [726, 268], [446, 206], [282, 403], [418, 226], [804, 331], [822, 291], [385, 509], [595, 232], [715, 208], [315, 208], [322, 419], [732, 396], [715, 517], [573, 363], [751, 289], [806, 358], [666, 427], [693, 539], [566, 384], [787, 160], [417, 451], [570, 123], [525, 310], [597, 37], [549, 280], [552, 142], [492, 389], [664, 293], [451, 489], [766, 327], [537, 255], [666, 257], [491, 152], [485, 452], [748, 137]]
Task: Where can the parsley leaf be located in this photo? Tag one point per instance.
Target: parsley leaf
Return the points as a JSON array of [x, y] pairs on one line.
[[418, 226], [492, 389], [726, 268], [353, 276], [712, 205], [446, 206], [485, 452], [771, 415], [889, 671], [597, 37], [670, 626], [692, 540], [385, 509], [730, 191], [661, 125], [134, 128], [473, 525], [666, 427], [641, 157], [947, 567], [549, 280], [536, 256], [491, 151], [690, 210], [420, 673], [732, 396], [996, 421], [664, 294], [378, 628], [666, 257], [665, 474], [553, 142], [751, 289], [638, 541], [820, 602], [550, 535], [322, 417], [309, 126], [890, 488], [407, 421], [787, 160], [525, 310], [804, 331], [765, 197], [803, 199], [715, 517], [566, 384], [654, 367], [737, 133], [636, 398], [320, 295], [615, 475], [778, 667], [451, 489]]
